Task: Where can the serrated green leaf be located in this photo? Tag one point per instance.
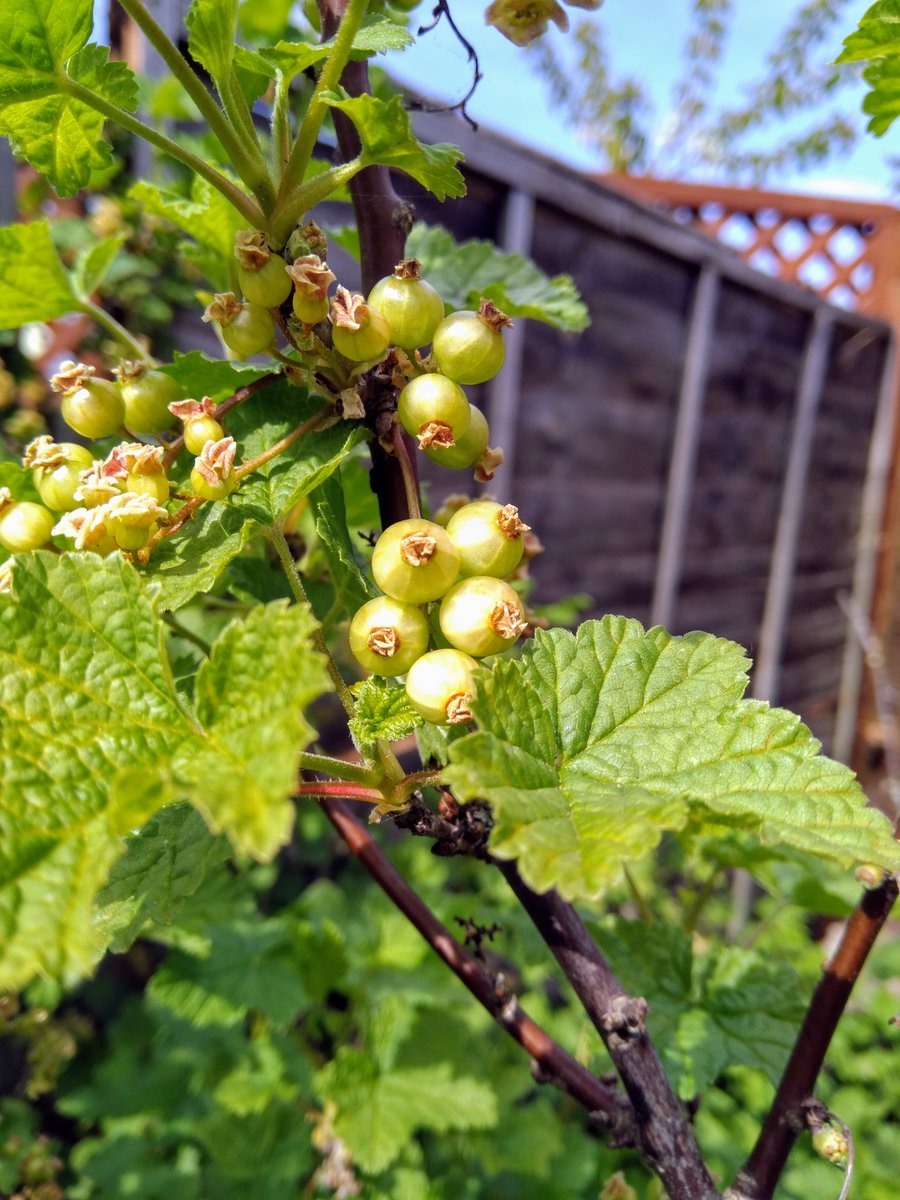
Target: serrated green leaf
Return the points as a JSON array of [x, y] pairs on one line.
[[207, 217], [592, 744], [259, 677], [378, 1111], [878, 39], [386, 135], [93, 262], [269, 493], [189, 563], [162, 867], [19, 481], [95, 740], [248, 966], [197, 375], [382, 713], [352, 586], [464, 272], [211, 26], [33, 284], [43, 45], [377, 35]]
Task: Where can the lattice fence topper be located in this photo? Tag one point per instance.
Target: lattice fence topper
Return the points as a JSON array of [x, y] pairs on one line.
[[844, 250]]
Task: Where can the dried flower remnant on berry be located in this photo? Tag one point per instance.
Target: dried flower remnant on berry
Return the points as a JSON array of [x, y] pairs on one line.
[[224, 308], [133, 457], [191, 410], [436, 433], [215, 461], [509, 524], [6, 499], [458, 709], [96, 487], [250, 249], [384, 640], [506, 621], [417, 549], [349, 309], [490, 315], [88, 527], [312, 277], [71, 376], [488, 464], [127, 370], [135, 510], [44, 454]]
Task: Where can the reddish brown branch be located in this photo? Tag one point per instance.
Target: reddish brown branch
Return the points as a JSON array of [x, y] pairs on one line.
[[340, 790], [606, 1106], [665, 1135], [757, 1179]]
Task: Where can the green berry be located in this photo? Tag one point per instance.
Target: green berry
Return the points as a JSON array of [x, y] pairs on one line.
[[482, 615], [250, 331], [468, 346], [153, 484], [212, 491], [147, 395], [415, 561], [440, 686], [309, 309], [488, 537], [412, 307], [435, 410], [24, 525], [57, 485], [467, 449], [387, 636], [359, 332], [200, 430], [95, 409], [268, 286]]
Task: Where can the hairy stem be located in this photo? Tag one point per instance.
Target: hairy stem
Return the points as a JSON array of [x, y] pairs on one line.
[[604, 1104], [340, 768], [759, 1176], [665, 1135], [319, 188], [250, 168], [298, 160], [119, 332], [340, 791], [244, 204]]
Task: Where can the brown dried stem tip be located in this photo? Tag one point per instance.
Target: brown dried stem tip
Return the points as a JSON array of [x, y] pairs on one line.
[[436, 433], [71, 376], [506, 621], [127, 370], [457, 709], [384, 640], [408, 268], [224, 308], [417, 549], [509, 524], [250, 249], [492, 316], [311, 276], [349, 309]]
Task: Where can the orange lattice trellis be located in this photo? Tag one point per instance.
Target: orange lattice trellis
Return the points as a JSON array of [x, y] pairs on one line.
[[846, 250]]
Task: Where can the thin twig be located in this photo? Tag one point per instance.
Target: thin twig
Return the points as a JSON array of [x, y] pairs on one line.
[[851, 1157], [308, 426], [186, 634], [442, 10], [341, 790], [409, 477], [606, 1106]]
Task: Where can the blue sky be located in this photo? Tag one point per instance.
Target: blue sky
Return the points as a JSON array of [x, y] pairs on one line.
[[644, 38]]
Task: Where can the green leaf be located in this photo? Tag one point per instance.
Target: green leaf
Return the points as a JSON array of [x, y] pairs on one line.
[[386, 135], [211, 25], [377, 35], [592, 744], [19, 481], [383, 713], [270, 492], [189, 563], [351, 584], [263, 20], [378, 1111], [248, 965], [93, 262], [464, 272], [43, 45], [162, 867], [249, 696], [95, 740], [33, 284], [200, 376], [878, 38], [207, 217]]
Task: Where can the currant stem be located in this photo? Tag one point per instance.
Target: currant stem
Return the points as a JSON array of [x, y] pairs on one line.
[[298, 160], [252, 172], [409, 478], [309, 195], [244, 204], [340, 768], [277, 538], [186, 634], [342, 791], [119, 332], [253, 464]]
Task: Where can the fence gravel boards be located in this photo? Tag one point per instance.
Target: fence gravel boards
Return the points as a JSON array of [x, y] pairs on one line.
[[712, 453]]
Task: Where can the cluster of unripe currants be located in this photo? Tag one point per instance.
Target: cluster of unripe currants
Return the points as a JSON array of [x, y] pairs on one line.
[[417, 563]]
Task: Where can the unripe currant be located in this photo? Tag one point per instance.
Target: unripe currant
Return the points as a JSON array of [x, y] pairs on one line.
[[468, 346], [489, 538], [213, 476], [435, 410], [147, 395], [387, 635], [23, 525], [57, 468], [467, 449], [92, 407], [200, 426], [415, 561], [261, 273], [482, 615], [247, 329], [153, 484], [311, 278], [411, 306], [440, 686], [359, 332]]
